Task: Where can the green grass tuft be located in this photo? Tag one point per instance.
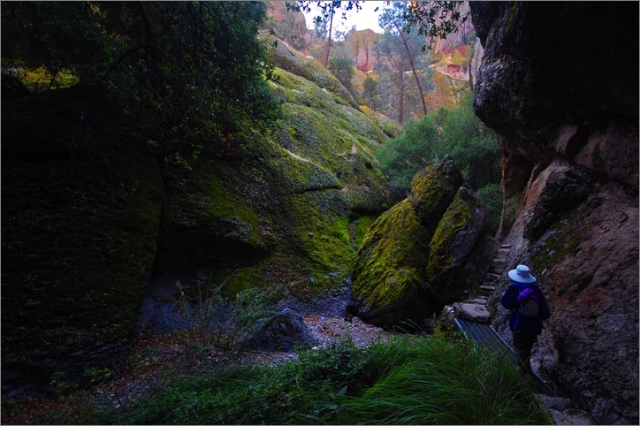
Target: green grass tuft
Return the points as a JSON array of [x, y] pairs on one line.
[[411, 380]]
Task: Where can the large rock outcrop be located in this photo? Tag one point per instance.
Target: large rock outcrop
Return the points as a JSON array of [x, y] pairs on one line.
[[559, 83], [95, 215], [362, 45], [424, 252]]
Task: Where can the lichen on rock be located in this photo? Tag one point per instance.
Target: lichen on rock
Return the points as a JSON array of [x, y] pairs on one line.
[[453, 242]]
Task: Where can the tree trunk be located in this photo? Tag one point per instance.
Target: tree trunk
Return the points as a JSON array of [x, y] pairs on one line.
[[413, 68], [328, 48], [401, 97]]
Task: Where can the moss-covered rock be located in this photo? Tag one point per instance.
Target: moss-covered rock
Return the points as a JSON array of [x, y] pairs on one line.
[[432, 191], [287, 58], [209, 221], [422, 253], [388, 273], [453, 242], [283, 211], [390, 127]]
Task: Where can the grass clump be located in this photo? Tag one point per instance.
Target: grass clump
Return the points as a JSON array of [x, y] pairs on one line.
[[410, 380], [222, 322]]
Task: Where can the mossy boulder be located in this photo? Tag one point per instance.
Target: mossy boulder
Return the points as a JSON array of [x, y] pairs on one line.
[[432, 191], [460, 250], [388, 271], [422, 253]]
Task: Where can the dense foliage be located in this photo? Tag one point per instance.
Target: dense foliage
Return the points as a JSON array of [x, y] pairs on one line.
[[428, 380], [195, 67], [455, 132]]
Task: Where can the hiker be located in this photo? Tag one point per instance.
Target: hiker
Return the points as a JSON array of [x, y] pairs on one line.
[[528, 309]]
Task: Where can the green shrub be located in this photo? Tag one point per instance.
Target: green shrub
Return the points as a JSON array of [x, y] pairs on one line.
[[456, 132], [195, 70], [491, 197], [221, 323]]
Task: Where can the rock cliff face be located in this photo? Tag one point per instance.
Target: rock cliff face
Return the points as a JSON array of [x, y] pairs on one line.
[[288, 25], [559, 83], [362, 46], [455, 65]]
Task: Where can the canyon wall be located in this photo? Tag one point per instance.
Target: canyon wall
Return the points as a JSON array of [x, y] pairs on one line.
[[559, 83]]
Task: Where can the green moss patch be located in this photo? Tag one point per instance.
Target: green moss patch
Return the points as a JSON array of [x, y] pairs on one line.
[[210, 215], [292, 61], [455, 238], [358, 230], [323, 233]]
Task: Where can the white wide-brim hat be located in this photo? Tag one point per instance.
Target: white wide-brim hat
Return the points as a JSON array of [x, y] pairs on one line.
[[521, 274]]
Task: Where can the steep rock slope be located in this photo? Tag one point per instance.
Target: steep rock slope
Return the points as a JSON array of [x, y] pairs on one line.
[[566, 107]]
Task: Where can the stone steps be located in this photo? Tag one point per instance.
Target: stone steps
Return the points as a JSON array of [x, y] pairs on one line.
[[475, 307]]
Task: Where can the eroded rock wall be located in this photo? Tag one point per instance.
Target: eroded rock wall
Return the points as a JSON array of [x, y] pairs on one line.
[[559, 83]]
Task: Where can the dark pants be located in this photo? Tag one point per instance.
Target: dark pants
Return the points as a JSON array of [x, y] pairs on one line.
[[522, 344]]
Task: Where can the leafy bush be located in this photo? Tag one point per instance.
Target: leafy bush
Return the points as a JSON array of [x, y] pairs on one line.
[[412, 150], [491, 197], [196, 70], [343, 69], [456, 132]]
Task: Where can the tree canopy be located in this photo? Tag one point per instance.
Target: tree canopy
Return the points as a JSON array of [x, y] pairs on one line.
[[196, 67]]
